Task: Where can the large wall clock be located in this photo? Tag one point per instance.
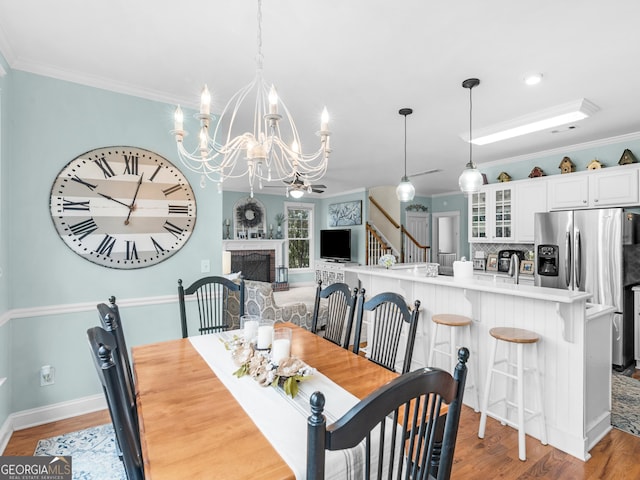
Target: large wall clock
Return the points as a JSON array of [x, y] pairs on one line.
[[123, 207]]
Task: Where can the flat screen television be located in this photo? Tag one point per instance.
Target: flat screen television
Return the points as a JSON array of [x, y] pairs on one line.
[[335, 245]]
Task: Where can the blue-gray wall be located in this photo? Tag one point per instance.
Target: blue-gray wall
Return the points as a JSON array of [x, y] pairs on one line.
[[5, 350], [46, 123]]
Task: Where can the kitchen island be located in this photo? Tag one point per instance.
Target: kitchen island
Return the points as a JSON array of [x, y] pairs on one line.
[[574, 351]]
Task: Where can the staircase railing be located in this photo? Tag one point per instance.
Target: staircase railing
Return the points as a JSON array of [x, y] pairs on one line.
[[384, 212], [375, 246], [412, 250]]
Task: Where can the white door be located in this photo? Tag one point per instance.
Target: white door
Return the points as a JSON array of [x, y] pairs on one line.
[[417, 224], [446, 234]]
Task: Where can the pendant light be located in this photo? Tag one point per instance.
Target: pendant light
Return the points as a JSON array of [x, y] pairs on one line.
[[405, 190], [470, 178]]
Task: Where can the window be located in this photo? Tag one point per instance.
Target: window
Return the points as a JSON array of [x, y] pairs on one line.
[[299, 230]]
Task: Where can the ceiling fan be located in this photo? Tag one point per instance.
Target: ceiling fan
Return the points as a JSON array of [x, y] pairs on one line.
[[426, 172], [298, 186]]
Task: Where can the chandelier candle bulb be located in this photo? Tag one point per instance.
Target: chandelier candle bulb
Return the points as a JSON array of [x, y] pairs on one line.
[[324, 120], [205, 101], [273, 101], [178, 119]]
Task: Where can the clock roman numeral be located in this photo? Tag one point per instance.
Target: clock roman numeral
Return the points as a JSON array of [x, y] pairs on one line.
[[155, 173], [157, 246], [132, 251], [69, 205], [179, 209], [105, 167], [90, 186], [131, 164], [171, 190], [173, 229], [84, 228], [106, 245]]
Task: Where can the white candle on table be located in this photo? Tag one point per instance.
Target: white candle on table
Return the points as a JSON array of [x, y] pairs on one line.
[[250, 330], [280, 349], [265, 336]]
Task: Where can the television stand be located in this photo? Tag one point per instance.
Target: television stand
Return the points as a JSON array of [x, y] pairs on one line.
[[332, 271]]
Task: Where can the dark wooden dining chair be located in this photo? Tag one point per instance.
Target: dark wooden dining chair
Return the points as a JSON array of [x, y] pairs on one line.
[[112, 322], [217, 303], [395, 443], [106, 359], [390, 314], [338, 312]]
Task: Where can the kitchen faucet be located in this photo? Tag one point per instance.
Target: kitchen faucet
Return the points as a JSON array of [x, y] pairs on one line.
[[514, 268]]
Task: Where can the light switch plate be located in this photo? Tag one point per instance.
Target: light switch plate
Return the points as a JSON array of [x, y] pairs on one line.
[[205, 266]]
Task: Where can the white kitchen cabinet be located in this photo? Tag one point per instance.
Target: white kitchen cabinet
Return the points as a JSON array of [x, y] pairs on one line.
[[491, 214], [617, 187], [568, 191], [530, 198]]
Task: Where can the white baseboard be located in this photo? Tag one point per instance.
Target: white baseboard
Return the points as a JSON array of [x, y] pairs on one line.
[[5, 434], [57, 411]]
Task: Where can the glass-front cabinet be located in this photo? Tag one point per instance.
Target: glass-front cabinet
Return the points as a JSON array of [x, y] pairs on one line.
[[490, 214], [478, 216], [502, 221]]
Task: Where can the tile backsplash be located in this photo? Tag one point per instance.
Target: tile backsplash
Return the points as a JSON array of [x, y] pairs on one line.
[[488, 248]]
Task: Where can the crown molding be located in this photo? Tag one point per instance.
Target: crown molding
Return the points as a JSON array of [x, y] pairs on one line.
[[5, 49], [562, 150], [100, 82]]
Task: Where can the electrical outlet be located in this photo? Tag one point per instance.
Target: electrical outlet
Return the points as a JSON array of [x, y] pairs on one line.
[[205, 266], [47, 375]]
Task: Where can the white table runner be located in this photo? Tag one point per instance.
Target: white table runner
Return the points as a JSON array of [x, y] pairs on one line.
[[281, 419]]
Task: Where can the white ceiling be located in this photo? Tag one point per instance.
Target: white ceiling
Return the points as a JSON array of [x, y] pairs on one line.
[[364, 60]]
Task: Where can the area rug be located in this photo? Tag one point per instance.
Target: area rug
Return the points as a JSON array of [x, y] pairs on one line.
[[625, 403], [93, 453]]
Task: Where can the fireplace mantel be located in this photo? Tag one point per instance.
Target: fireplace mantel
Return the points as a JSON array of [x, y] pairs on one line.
[[276, 245]]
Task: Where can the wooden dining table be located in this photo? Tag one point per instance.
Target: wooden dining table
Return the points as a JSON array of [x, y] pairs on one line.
[[191, 426]]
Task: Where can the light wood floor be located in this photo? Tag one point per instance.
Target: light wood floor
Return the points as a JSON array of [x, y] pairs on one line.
[[615, 457]]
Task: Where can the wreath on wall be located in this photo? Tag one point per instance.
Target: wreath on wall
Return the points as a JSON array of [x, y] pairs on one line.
[[249, 214]]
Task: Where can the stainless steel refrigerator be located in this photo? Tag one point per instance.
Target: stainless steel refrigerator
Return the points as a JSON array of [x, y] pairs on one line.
[[595, 251]]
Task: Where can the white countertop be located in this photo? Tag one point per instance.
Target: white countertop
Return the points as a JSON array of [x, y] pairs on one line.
[[527, 291]]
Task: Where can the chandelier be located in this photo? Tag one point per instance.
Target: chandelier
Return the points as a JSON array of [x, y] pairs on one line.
[[271, 151]]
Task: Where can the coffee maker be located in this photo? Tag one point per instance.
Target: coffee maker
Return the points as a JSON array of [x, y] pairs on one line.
[[504, 258]]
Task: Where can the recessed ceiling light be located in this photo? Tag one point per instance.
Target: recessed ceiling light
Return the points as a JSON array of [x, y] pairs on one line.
[[533, 79]]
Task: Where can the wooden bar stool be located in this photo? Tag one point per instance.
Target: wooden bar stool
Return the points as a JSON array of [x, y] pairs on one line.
[[520, 338], [455, 323]]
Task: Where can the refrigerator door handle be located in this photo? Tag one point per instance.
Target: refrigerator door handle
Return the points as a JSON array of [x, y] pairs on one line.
[[567, 259], [577, 259]]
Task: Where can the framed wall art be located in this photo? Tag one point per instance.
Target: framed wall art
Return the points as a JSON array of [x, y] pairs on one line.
[[345, 214]]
